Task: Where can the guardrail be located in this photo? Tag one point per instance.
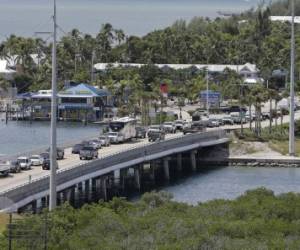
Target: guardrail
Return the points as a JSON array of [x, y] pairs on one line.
[[40, 185]]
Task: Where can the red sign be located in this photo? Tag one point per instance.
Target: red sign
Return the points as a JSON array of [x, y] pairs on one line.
[[164, 89]]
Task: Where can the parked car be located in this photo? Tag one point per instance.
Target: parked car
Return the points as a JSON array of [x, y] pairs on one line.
[[234, 109], [60, 153], [14, 166], [238, 118], [76, 148], [36, 160], [4, 169], [156, 136], [105, 141], [88, 152], [140, 132], [24, 162], [169, 127], [115, 137]]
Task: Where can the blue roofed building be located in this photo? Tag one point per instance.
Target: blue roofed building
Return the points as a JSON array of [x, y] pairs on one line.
[[83, 103]]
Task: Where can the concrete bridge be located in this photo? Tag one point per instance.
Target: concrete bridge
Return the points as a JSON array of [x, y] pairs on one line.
[[110, 170]]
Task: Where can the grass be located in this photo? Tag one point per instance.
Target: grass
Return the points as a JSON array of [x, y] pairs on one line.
[[4, 218], [283, 146]]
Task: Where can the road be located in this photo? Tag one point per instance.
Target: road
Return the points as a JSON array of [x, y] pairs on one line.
[[70, 161]]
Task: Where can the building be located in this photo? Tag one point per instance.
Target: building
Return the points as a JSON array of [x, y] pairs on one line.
[[83, 103], [6, 71], [247, 70]]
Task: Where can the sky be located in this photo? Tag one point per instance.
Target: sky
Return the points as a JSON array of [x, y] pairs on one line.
[[135, 17]]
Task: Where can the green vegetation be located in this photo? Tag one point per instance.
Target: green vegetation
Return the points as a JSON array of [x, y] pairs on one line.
[[256, 220]]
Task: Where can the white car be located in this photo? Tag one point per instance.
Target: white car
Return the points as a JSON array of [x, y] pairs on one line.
[[36, 160], [169, 127], [115, 137], [24, 162]]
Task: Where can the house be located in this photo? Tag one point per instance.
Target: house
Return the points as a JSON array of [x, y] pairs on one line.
[[83, 102]]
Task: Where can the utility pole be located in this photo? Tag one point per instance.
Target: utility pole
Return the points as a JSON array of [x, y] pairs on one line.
[[92, 66], [292, 86], [53, 150], [207, 90]]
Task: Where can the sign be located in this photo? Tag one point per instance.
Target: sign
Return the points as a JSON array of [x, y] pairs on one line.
[[164, 89], [213, 97]]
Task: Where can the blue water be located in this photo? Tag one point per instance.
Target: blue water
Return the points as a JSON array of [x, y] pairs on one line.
[[135, 17], [18, 137], [231, 182]]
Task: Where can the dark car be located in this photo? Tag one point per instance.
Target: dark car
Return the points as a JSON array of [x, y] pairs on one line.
[[234, 109], [14, 167], [76, 148], [140, 132], [60, 153], [196, 127], [88, 152], [156, 136], [46, 164]]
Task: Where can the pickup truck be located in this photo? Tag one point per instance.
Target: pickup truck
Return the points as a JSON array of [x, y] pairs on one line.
[[4, 169], [196, 127], [88, 152]]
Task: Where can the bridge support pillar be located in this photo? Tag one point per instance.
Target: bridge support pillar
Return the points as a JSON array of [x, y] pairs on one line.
[[72, 196], [104, 188], [79, 186], [87, 190], [152, 171], [44, 202], [34, 206], [117, 176], [179, 162], [166, 168], [137, 178], [193, 160]]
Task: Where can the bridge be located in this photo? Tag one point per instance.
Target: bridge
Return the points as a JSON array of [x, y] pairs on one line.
[[139, 158]]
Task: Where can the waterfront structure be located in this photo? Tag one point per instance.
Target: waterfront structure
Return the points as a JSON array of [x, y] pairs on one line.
[[78, 103], [83, 102], [113, 168]]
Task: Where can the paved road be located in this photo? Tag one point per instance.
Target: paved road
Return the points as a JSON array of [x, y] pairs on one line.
[[70, 161]]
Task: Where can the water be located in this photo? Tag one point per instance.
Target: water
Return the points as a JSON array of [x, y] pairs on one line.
[[135, 17], [231, 182], [22, 136]]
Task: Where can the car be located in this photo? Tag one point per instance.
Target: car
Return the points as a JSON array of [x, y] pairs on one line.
[[169, 127], [154, 128], [179, 124], [105, 141], [4, 169], [76, 148], [88, 152], [36, 160], [115, 137], [234, 109], [156, 136], [60, 153], [212, 123], [140, 132], [24, 162], [46, 164], [14, 166], [227, 120], [195, 127], [96, 142]]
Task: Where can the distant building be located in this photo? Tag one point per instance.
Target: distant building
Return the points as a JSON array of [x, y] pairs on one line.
[[6, 71], [247, 71]]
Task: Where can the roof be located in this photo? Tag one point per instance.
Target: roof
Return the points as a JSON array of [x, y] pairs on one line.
[[83, 90], [211, 67], [4, 67]]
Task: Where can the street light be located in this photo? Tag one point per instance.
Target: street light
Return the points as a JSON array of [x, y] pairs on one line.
[[53, 150], [292, 86]]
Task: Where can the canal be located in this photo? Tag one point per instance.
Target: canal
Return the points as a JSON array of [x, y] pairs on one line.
[[231, 182], [21, 136]]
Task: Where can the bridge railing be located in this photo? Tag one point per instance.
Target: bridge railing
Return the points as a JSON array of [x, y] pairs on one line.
[[41, 184]]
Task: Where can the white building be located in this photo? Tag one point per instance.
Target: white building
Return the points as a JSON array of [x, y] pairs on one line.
[[5, 70]]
